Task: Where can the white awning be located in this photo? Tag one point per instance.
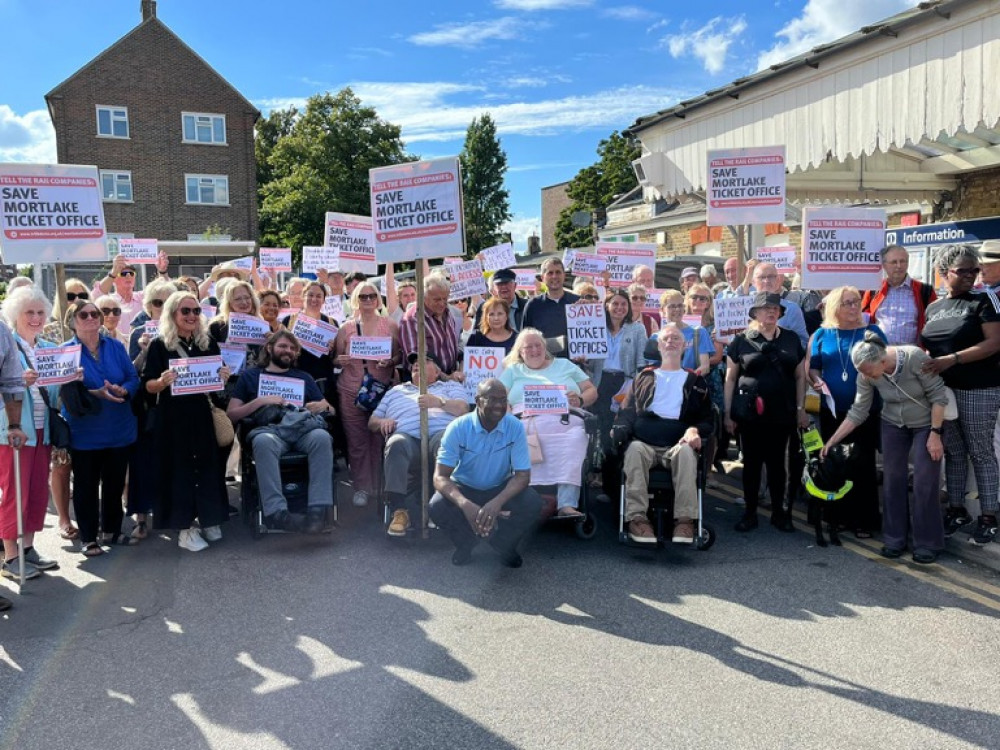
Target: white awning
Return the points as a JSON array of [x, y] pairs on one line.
[[202, 249], [923, 85]]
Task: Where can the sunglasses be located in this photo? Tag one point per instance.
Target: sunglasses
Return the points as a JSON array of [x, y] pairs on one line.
[[93, 314], [285, 303], [70, 296], [699, 297], [367, 297], [156, 302], [965, 271], [116, 311], [127, 273], [591, 297], [189, 310]]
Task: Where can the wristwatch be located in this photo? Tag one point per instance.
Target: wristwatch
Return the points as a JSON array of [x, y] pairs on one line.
[[112, 275], [937, 430]]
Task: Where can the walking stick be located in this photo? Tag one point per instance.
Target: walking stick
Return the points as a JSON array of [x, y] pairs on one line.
[[20, 515]]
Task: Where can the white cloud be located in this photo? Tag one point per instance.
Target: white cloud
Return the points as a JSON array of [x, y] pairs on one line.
[[824, 21], [537, 167], [472, 34], [628, 13], [710, 43], [27, 138], [428, 113], [663, 22], [542, 4], [520, 228]]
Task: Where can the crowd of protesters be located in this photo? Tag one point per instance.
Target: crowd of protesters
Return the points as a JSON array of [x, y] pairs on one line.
[[140, 458]]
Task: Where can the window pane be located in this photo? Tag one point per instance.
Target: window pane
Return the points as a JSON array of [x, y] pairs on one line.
[[204, 131], [222, 190], [219, 129], [124, 182], [192, 189], [188, 128], [103, 122], [121, 128], [108, 186], [208, 193]]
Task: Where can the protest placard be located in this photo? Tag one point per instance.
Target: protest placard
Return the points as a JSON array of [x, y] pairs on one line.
[[314, 335], [138, 251], [352, 236], [479, 364], [151, 328], [841, 247], [196, 375], [244, 264], [247, 329], [51, 213], [235, 356], [587, 330], [568, 255], [746, 186], [466, 280], [497, 257], [58, 365], [585, 264], [732, 314], [370, 347], [417, 210], [652, 304], [691, 320], [292, 390], [333, 308], [208, 310], [525, 278], [275, 258], [545, 399], [315, 257], [784, 258], [622, 257]]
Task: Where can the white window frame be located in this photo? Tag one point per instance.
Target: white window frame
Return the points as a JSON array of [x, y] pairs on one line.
[[203, 116], [111, 114], [116, 175], [201, 183]]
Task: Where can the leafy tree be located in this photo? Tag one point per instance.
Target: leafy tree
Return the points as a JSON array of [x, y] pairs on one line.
[[269, 131], [594, 188], [321, 164], [487, 202]]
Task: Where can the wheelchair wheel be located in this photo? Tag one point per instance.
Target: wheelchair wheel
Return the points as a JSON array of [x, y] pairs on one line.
[[707, 538], [586, 528]]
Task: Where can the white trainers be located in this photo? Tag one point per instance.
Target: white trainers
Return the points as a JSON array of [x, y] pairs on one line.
[[360, 499], [191, 540], [212, 534]]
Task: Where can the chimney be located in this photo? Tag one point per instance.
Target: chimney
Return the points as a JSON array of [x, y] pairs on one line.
[[148, 8]]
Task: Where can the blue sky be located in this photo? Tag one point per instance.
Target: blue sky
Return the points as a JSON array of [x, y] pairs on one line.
[[556, 75]]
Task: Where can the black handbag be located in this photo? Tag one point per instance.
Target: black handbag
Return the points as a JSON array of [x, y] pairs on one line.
[[747, 404], [370, 393]]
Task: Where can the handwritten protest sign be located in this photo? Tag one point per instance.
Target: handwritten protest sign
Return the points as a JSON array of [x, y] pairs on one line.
[[585, 264], [841, 247], [315, 257], [479, 364], [292, 390], [138, 251], [497, 257], [545, 399], [352, 236], [196, 375], [51, 213], [314, 335], [333, 308], [732, 314], [276, 258], [783, 257], [417, 210], [746, 185], [622, 257], [525, 278], [247, 329], [235, 356], [245, 263], [370, 347], [466, 280], [58, 365], [586, 328]]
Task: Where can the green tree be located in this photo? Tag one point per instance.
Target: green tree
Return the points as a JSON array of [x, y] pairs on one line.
[[487, 202], [594, 188], [321, 164], [268, 132]]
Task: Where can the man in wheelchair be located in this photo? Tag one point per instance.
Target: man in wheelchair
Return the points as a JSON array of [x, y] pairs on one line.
[[397, 418], [666, 416], [280, 429]]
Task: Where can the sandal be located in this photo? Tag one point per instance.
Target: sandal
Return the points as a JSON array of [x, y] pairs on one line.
[[121, 540], [139, 531], [92, 549], [568, 512], [69, 531]]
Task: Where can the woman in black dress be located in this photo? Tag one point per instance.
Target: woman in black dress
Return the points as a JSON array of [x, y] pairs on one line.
[[188, 467]]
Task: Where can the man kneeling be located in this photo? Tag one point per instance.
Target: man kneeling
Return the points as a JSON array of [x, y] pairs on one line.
[[397, 417], [282, 432], [481, 478], [667, 415]]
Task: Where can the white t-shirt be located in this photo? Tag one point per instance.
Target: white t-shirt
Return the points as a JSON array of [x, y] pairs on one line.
[[669, 394]]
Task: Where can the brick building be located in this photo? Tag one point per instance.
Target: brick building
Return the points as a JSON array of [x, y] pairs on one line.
[[554, 200], [173, 141]]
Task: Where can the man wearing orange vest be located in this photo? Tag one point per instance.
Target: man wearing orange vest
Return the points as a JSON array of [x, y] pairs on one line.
[[899, 305]]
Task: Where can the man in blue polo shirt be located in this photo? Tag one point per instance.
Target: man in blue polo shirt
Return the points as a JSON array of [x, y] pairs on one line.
[[547, 312], [481, 478]]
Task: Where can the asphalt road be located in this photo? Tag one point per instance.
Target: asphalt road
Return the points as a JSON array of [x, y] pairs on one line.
[[356, 641]]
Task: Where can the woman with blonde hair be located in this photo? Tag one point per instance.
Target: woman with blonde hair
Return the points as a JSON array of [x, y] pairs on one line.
[[494, 326], [321, 368], [112, 311], [698, 346], [189, 468], [699, 302]]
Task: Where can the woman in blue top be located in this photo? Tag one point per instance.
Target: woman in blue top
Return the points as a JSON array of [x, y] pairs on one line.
[[100, 442], [698, 346], [830, 364]]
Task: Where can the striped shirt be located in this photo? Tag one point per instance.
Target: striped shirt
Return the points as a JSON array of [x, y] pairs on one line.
[[898, 314], [400, 404], [442, 341]]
